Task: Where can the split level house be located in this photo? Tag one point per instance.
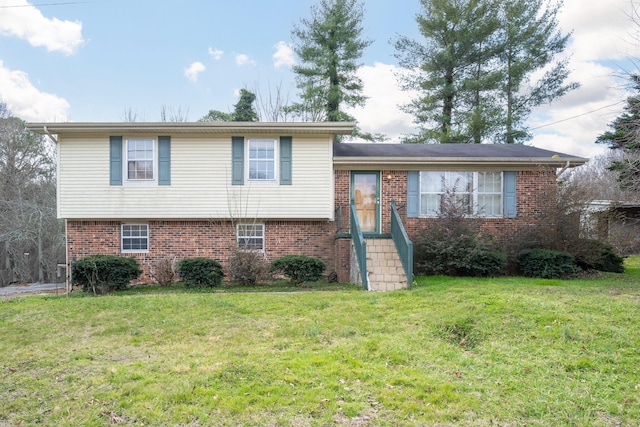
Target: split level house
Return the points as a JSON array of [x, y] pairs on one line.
[[178, 190]]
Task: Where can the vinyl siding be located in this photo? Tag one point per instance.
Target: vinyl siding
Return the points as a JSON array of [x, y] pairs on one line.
[[200, 183]]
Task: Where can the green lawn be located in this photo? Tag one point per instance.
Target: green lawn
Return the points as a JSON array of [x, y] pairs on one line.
[[470, 352]]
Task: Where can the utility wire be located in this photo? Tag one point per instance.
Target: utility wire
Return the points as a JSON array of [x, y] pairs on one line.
[[579, 115], [51, 4]]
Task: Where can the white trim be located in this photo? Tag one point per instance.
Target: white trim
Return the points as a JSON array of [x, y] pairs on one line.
[[473, 194], [122, 237], [250, 236], [125, 160], [276, 163]]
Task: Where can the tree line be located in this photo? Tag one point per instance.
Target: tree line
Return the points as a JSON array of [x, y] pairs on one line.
[[476, 74], [31, 237]]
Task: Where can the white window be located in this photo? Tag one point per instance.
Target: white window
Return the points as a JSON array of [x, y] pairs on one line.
[[262, 159], [463, 193], [139, 161], [489, 194], [250, 236], [135, 238]]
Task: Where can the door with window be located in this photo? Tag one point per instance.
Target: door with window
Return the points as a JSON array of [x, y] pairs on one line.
[[365, 194]]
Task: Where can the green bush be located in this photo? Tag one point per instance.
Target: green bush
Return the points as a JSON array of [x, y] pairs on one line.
[[299, 268], [545, 263], [248, 268], [200, 272], [104, 273], [596, 255], [486, 263], [453, 254]]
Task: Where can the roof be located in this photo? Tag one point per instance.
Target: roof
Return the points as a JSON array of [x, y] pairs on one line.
[[406, 155], [172, 128]]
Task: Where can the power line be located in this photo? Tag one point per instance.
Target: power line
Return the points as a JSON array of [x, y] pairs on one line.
[[579, 115], [51, 4]]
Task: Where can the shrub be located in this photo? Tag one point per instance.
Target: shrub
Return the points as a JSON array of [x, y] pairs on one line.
[[456, 252], [596, 255], [248, 268], [104, 273], [545, 263], [299, 268], [485, 263], [164, 271], [200, 272]]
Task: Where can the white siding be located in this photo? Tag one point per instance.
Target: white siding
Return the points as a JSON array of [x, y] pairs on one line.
[[200, 183]]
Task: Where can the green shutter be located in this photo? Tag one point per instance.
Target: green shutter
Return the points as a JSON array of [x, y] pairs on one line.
[[413, 194], [509, 194], [115, 160], [164, 160], [285, 160], [237, 160]]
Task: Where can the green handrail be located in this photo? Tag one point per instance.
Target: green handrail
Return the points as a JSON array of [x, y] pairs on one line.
[[404, 246], [359, 245]]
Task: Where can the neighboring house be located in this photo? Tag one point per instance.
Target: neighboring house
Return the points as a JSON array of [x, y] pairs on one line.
[[157, 190], [617, 222]]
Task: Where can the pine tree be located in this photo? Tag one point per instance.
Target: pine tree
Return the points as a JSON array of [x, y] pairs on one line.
[[625, 137], [452, 69], [328, 46], [474, 70], [530, 41], [243, 111]]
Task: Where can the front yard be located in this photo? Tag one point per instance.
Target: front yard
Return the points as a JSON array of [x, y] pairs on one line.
[[475, 352]]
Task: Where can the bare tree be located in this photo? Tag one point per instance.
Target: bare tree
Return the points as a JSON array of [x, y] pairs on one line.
[[31, 237], [130, 115], [169, 114], [274, 105]]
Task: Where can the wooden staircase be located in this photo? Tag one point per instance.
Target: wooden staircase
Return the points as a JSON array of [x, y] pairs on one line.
[[384, 267]]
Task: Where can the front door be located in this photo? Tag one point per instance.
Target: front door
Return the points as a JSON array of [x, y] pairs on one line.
[[366, 197]]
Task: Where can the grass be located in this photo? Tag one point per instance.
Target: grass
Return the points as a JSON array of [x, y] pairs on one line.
[[451, 351]]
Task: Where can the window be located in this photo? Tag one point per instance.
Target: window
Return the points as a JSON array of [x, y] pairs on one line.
[[466, 193], [250, 236], [135, 237], [489, 194], [140, 164], [262, 159]]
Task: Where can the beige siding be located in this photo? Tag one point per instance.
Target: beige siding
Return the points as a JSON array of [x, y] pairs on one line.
[[200, 183]]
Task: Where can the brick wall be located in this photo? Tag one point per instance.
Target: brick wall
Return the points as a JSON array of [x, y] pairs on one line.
[[535, 196], [212, 239]]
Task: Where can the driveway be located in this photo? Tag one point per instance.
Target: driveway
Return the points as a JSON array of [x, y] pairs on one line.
[[31, 289]]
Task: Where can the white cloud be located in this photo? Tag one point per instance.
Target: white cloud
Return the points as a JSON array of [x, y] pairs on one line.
[[381, 113], [28, 23], [26, 101], [601, 29], [242, 59], [216, 53], [193, 71], [283, 55]]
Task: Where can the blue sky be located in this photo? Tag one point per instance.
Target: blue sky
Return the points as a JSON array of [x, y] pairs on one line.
[[65, 60]]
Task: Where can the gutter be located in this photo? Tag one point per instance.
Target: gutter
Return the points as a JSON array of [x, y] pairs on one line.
[[420, 162]]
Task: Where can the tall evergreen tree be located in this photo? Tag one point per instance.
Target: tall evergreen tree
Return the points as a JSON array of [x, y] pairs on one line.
[[625, 137], [328, 46], [243, 111], [531, 41], [474, 70], [452, 69]]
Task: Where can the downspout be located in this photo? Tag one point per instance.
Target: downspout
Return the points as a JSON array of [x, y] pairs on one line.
[[564, 168], [68, 278], [50, 135]]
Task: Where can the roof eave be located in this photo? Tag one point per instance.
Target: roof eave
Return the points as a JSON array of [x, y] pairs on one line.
[[409, 162], [293, 128]]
